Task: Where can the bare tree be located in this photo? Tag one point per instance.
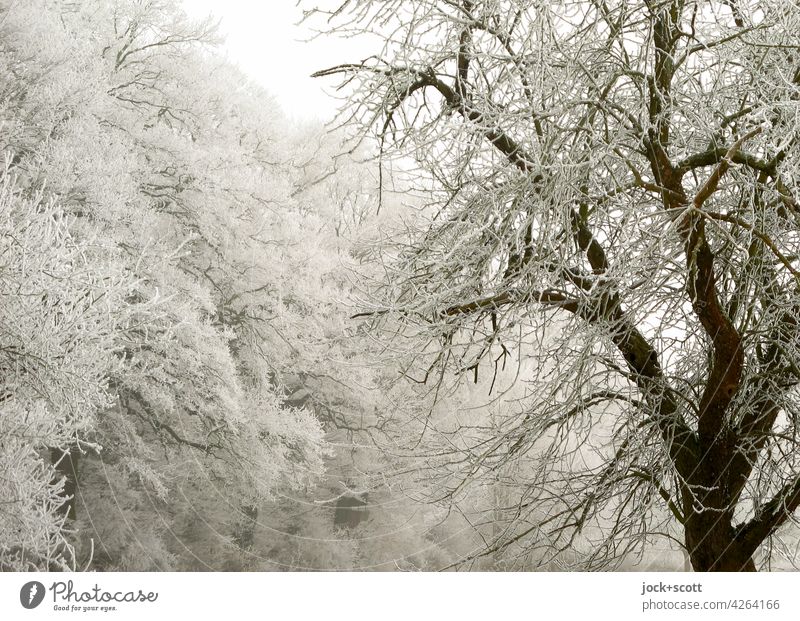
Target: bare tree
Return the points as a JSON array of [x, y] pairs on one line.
[[616, 192]]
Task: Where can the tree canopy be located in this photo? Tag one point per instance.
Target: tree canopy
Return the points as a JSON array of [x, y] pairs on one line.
[[148, 227], [615, 200]]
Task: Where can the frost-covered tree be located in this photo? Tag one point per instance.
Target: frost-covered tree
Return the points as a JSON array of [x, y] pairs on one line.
[[120, 113], [614, 198], [61, 319]]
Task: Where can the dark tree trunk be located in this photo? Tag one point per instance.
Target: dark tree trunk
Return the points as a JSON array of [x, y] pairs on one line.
[[712, 545]]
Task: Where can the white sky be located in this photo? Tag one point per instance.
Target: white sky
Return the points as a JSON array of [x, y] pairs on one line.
[[263, 39]]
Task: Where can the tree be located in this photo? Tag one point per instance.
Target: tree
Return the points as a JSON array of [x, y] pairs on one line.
[[168, 160], [615, 197], [59, 323]]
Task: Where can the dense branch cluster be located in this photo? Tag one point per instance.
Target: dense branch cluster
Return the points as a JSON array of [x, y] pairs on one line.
[[147, 230], [616, 203]]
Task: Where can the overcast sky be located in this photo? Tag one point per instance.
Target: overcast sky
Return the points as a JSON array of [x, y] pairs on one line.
[[264, 40]]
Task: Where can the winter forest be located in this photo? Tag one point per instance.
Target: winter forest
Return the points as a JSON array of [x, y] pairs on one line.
[[530, 301]]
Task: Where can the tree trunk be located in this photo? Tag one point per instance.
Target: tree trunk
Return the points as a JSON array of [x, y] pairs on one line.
[[712, 545]]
